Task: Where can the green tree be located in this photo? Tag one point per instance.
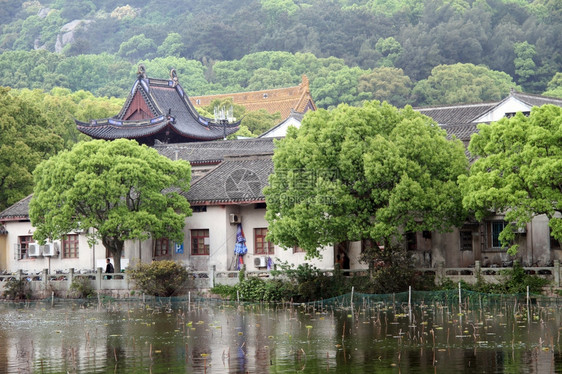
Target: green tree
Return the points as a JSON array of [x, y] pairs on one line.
[[260, 121], [332, 87], [524, 64], [61, 106], [160, 278], [390, 50], [387, 84], [26, 138], [554, 87], [266, 78], [462, 83], [243, 132], [102, 74], [277, 8], [372, 172], [119, 189], [517, 171], [137, 47], [172, 46]]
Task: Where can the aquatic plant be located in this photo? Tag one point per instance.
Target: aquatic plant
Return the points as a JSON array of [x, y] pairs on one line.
[[159, 278], [82, 287], [17, 289]]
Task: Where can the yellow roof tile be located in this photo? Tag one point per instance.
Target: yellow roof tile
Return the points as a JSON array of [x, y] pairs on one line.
[[280, 100]]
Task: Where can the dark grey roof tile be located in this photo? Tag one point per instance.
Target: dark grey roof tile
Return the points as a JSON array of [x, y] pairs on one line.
[[17, 211], [235, 180], [456, 113], [537, 100], [215, 151]]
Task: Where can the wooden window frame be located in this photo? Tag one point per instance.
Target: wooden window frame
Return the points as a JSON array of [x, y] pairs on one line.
[[70, 244], [465, 240], [162, 247], [412, 241], [23, 243], [493, 231], [261, 245], [198, 246]]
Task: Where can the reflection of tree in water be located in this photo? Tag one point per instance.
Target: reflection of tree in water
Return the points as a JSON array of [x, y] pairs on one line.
[[116, 342]]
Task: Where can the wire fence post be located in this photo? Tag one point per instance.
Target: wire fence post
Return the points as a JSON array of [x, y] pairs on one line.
[[460, 298], [410, 303]]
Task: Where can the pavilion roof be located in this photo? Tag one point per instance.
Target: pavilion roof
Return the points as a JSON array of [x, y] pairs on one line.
[[158, 109]]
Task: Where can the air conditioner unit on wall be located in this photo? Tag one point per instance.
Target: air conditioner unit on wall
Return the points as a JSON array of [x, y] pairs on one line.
[[235, 218], [34, 250], [260, 262], [51, 249]]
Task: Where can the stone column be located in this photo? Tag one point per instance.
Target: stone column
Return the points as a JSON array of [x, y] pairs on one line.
[[70, 277], [99, 277], [440, 272], [557, 273], [45, 278], [212, 275]]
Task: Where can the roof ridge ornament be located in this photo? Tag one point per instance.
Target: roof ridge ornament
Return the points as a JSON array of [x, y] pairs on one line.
[[305, 82], [141, 72], [174, 77]]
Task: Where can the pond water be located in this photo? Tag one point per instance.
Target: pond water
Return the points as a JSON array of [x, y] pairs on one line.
[[206, 336]]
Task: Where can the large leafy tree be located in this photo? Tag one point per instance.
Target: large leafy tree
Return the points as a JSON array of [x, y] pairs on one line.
[[518, 171], [26, 138], [363, 173], [387, 84], [524, 65], [61, 106], [119, 189], [462, 83]]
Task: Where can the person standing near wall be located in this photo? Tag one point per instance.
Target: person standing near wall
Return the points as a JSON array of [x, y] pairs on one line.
[[109, 269]]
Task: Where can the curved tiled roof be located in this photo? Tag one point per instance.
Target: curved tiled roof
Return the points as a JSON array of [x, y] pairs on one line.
[[236, 180], [16, 212], [461, 131], [536, 100], [172, 114], [282, 100], [448, 114], [215, 151]]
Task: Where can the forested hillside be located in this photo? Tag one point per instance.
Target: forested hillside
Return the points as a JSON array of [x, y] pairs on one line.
[[403, 51]]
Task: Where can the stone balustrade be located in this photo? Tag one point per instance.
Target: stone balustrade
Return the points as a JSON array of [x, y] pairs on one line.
[[45, 284]]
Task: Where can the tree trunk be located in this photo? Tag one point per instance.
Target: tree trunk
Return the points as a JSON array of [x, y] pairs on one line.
[[367, 253], [115, 247]]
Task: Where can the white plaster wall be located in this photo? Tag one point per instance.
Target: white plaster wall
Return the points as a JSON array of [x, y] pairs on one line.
[[511, 105], [354, 253], [88, 256], [255, 218], [281, 131], [215, 220], [3, 253], [538, 242]]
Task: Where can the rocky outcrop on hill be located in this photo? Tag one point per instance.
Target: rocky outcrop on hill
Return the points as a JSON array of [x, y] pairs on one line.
[[67, 32]]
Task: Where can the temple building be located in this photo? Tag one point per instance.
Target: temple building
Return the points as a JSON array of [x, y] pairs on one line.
[[285, 101], [158, 110]]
